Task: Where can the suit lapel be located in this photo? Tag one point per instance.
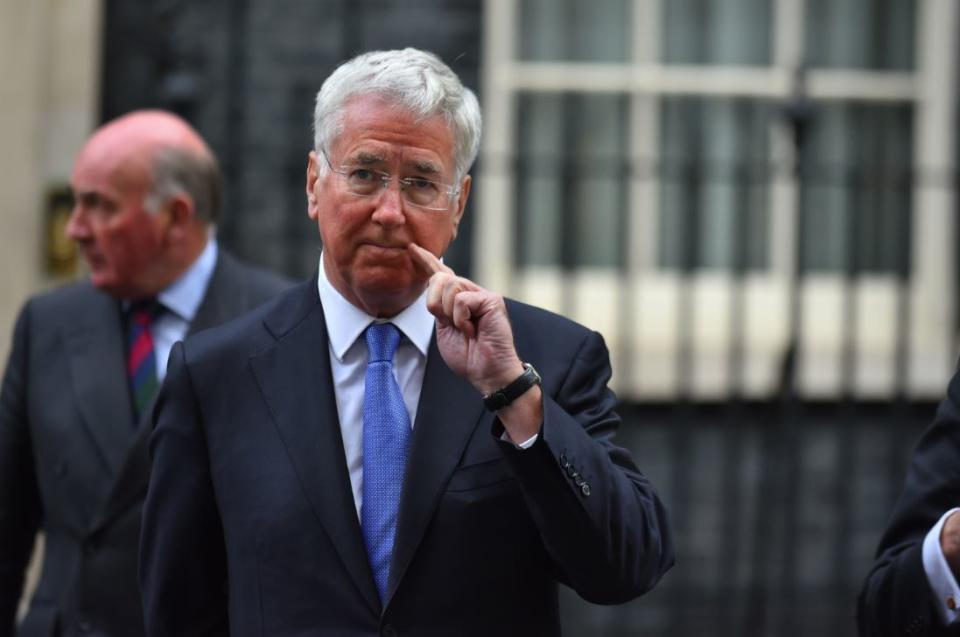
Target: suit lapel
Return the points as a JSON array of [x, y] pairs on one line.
[[447, 415], [220, 301], [95, 349], [295, 380], [224, 297]]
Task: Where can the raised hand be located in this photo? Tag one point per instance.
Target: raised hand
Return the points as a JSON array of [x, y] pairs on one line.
[[476, 341], [473, 330]]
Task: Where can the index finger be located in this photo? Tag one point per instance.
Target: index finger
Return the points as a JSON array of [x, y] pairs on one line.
[[426, 259]]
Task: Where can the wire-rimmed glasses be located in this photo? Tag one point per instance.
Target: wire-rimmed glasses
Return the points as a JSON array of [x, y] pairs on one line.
[[363, 181]]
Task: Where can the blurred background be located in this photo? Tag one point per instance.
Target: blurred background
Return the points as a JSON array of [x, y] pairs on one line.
[[753, 200]]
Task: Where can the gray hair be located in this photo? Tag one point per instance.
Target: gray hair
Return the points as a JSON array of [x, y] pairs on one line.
[[179, 171], [411, 79]]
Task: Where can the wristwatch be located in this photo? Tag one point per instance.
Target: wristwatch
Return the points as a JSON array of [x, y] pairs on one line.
[[503, 397]]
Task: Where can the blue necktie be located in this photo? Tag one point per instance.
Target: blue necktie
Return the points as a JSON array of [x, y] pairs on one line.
[[386, 441]]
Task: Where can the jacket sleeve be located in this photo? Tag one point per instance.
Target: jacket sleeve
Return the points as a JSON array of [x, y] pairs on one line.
[[19, 495], [896, 598], [182, 555], [600, 520]]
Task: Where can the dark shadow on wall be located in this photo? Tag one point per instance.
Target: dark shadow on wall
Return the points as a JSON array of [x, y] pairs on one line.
[[245, 73]]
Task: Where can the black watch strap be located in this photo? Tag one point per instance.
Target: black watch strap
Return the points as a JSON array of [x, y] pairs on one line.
[[503, 397]]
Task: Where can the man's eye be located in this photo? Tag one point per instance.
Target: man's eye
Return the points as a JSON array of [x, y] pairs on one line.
[[420, 183], [362, 175]]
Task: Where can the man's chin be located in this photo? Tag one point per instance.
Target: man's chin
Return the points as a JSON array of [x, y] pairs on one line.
[[102, 280], [108, 284], [388, 293]]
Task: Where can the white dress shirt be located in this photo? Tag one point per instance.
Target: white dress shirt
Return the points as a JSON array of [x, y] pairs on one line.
[[942, 581], [348, 364], [181, 300]]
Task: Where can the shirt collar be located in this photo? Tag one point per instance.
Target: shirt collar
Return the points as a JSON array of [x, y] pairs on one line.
[[183, 296], [346, 322]]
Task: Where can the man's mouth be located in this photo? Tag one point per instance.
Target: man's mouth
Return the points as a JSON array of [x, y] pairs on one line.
[[385, 246], [92, 258]]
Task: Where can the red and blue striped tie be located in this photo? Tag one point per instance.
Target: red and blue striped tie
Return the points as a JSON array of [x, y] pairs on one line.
[[141, 358]]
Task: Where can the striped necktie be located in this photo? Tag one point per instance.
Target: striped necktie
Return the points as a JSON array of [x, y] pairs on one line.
[[386, 442], [141, 357]]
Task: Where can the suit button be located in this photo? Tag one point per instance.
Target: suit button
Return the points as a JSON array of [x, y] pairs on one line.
[[578, 480], [389, 631], [563, 459], [569, 468], [585, 489]]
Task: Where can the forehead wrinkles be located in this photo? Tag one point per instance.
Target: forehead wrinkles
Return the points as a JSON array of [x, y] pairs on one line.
[[365, 157], [370, 124]]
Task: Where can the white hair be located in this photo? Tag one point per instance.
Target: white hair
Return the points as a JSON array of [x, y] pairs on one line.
[[411, 79]]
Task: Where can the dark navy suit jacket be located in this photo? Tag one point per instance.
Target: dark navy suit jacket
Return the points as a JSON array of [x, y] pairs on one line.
[[72, 461], [250, 521], [897, 598]]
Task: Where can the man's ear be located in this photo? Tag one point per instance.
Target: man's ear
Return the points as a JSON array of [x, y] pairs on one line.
[[312, 177], [176, 214], [461, 205]]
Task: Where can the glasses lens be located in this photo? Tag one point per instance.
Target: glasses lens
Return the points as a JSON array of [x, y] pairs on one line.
[[361, 181], [423, 192]]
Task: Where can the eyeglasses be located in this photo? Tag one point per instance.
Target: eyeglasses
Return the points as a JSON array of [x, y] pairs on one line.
[[416, 191]]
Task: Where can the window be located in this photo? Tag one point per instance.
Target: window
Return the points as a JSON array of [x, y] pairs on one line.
[[855, 212], [571, 177], [713, 173], [714, 157]]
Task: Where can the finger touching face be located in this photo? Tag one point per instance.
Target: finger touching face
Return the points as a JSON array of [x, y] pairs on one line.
[[426, 260]]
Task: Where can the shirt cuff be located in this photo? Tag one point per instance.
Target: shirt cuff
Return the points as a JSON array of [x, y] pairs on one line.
[[941, 579], [526, 444]]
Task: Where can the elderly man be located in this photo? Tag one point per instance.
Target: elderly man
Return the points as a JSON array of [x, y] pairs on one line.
[[391, 449], [86, 360]]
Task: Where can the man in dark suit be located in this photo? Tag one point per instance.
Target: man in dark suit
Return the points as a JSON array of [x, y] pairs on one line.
[[912, 588], [367, 454], [73, 442]]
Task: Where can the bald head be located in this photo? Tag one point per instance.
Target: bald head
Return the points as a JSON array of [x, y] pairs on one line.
[[147, 189], [170, 153], [151, 129]]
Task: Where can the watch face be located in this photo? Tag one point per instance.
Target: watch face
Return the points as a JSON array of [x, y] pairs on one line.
[[536, 374]]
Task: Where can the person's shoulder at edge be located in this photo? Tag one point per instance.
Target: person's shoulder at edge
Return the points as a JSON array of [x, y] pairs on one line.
[[251, 331], [260, 279], [57, 302]]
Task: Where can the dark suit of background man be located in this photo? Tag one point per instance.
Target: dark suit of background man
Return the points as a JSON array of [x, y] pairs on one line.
[[271, 508], [73, 461], [912, 589]]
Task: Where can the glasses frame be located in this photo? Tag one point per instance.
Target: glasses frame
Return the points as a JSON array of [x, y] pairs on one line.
[[385, 178]]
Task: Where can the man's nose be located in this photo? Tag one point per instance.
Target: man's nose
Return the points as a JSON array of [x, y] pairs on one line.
[[77, 228], [389, 209]]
